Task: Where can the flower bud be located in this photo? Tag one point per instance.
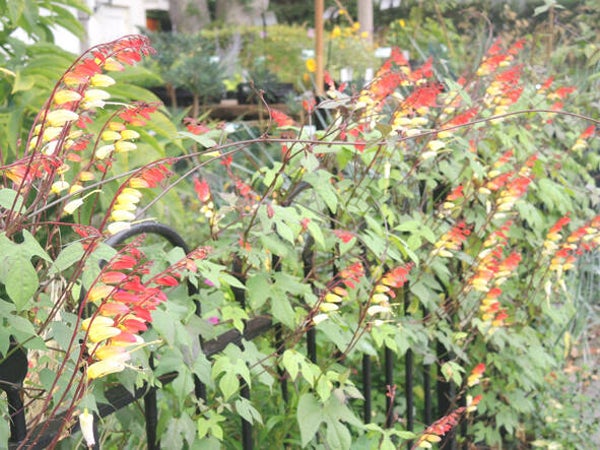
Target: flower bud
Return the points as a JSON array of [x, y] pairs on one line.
[[59, 117]]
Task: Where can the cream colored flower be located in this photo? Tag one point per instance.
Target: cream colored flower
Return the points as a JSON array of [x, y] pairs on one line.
[[86, 423]]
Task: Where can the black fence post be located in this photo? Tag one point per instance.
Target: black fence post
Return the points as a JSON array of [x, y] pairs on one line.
[[408, 377], [366, 376], [390, 387], [13, 370]]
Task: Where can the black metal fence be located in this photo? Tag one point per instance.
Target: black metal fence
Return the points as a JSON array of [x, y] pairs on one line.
[[438, 395]]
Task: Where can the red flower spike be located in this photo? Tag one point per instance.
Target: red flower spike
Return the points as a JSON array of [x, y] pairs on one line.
[[202, 190], [133, 325], [328, 80], [424, 96], [563, 92], [309, 105], [123, 262], [462, 118], [397, 277], [456, 193], [124, 338], [589, 131], [343, 235], [112, 277], [559, 225], [281, 119], [167, 280]]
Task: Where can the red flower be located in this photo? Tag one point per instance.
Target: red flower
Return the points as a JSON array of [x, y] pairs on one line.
[[462, 118], [456, 193], [589, 131], [167, 280], [309, 105], [202, 190], [281, 119], [424, 96], [344, 236], [396, 278]]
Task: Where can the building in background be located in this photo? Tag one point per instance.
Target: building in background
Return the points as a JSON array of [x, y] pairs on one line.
[[111, 19]]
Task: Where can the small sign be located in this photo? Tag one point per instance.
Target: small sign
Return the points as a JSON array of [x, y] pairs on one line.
[[383, 52], [308, 53]]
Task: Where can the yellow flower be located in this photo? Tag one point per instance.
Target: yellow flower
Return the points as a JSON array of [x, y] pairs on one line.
[[116, 126], [436, 145], [72, 206], [105, 367], [105, 321], [59, 186], [59, 117], [124, 207], [86, 175], [311, 65], [101, 80], [128, 197], [98, 292], [112, 65], [122, 216], [336, 32], [138, 183], [98, 333], [103, 151], [330, 297], [124, 146], [51, 133], [109, 135], [328, 307], [379, 298], [86, 423], [75, 188], [320, 318], [50, 148], [116, 227], [129, 134], [114, 352], [94, 98], [66, 96]]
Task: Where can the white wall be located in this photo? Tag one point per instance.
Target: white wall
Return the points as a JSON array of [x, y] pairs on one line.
[[110, 20]]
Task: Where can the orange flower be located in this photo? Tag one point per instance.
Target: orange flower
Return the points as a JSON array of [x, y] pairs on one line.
[[476, 374]]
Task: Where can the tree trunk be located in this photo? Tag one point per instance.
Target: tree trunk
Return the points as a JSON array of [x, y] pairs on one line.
[[241, 12], [189, 16], [365, 17]]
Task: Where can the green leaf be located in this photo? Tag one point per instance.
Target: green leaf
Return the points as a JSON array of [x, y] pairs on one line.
[[229, 384], [201, 139], [248, 412], [309, 416], [259, 287], [22, 83], [338, 436], [70, 255], [282, 310], [21, 280], [291, 362], [8, 198], [452, 371], [324, 388], [236, 314]]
